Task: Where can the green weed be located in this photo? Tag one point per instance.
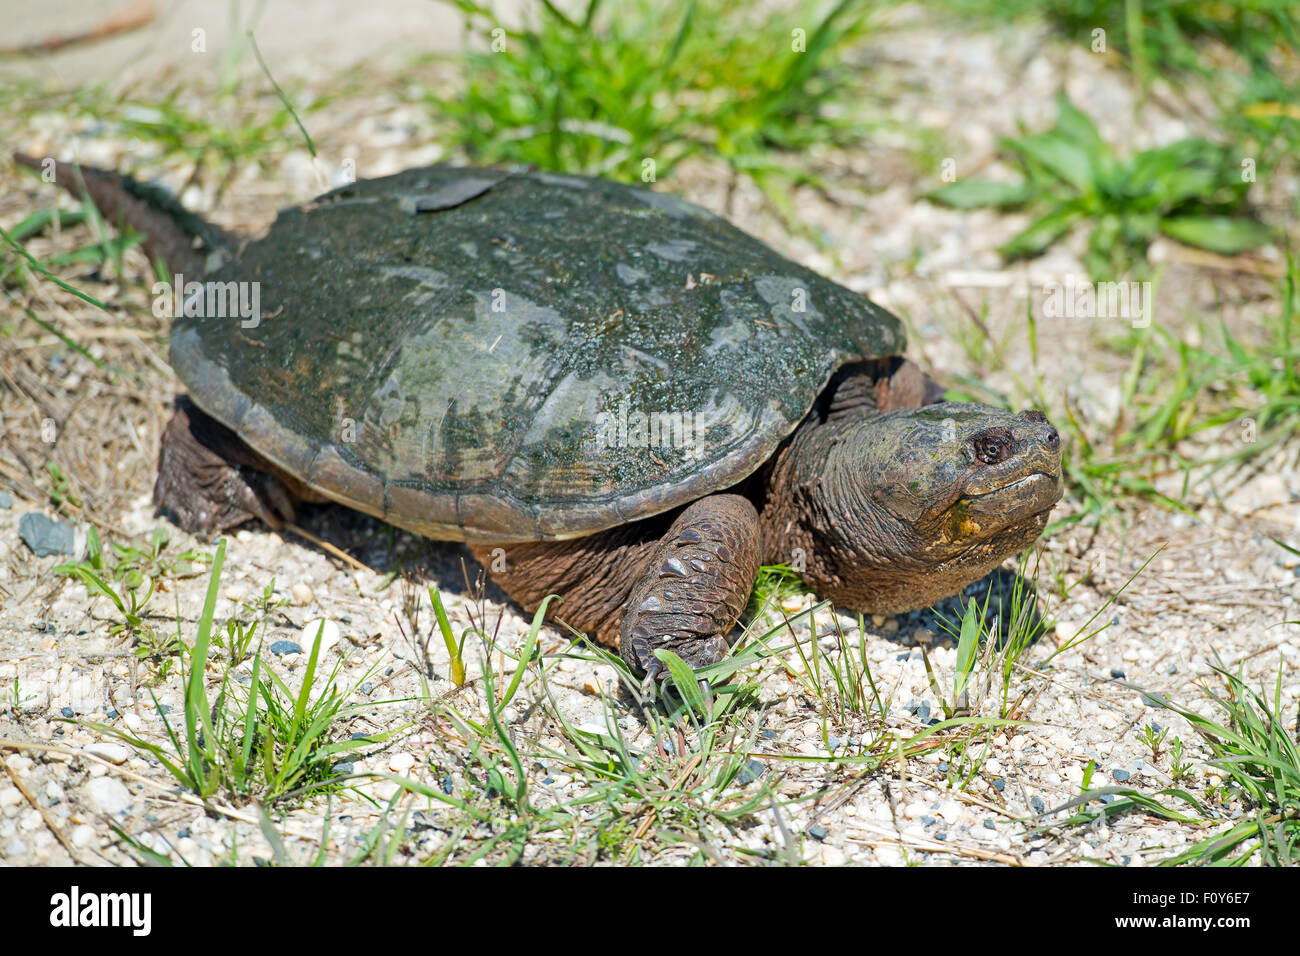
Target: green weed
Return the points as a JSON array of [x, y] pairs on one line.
[[265, 741], [1192, 191]]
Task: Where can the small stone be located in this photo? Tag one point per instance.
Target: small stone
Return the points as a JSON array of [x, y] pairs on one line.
[[817, 831], [133, 722], [924, 710], [15, 848], [990, 825], [878, 620], [1116, 673], [1000, 784], [1120, 775], [302, 593], [752, 770], [832, 856], [285, 647], [1037, 803], [82, 835], [67, 712], [10, 797], [106, 750], [6, 500], [327, 629], [890, 626], [45, 536], [833, 743], [400, 763], [447, 784], [108, 795]]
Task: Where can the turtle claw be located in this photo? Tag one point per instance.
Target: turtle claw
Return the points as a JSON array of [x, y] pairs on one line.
[[649, 686]]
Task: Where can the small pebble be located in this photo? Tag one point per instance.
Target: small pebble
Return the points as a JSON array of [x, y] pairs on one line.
[[108, 795], [82, 834], [45, 536], [990, 825], [1037, 803], [328, 630], [285, 647], [1116, 673], [817, 831], [752, 770], [6, 500], [302, 593], [832, 856], [67, 712], [447, 784], [400, 763], [1120, 775], [1000, 784], [106, 750]]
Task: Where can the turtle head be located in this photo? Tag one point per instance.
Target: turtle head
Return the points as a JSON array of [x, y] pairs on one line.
[[923, 501]]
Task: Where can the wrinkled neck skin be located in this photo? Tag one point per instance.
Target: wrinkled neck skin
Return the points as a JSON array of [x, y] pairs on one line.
[[819, 515]]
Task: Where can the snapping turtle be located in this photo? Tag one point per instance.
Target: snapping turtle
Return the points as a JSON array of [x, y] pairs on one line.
[[609, 393]]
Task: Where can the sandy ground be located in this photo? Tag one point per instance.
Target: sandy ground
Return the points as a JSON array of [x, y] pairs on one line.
[[1217, 584]]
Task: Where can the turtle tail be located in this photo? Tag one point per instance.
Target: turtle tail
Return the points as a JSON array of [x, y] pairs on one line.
[[180, 238]]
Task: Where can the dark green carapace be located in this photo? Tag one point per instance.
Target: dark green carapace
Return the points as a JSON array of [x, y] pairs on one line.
[[512, 355]]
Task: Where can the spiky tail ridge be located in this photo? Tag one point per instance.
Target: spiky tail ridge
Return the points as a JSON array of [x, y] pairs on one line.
[[173, 233]]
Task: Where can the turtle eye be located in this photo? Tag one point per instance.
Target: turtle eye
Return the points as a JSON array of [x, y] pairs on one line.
[[992, 449]]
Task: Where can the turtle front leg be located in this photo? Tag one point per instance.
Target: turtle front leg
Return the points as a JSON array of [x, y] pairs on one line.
[[694, 586]]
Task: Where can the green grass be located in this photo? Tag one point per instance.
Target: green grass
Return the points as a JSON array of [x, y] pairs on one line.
[[1252, 746], [628, 89], [129, 576], [263, 741]]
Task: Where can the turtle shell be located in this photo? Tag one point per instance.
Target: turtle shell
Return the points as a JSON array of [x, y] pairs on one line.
[[509, 355]]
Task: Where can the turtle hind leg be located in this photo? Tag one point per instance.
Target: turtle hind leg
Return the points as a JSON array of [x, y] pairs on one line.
[[694, 587], [209, 480]]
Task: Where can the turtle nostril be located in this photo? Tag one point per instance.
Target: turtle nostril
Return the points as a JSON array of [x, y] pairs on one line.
[[1053, 438]]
